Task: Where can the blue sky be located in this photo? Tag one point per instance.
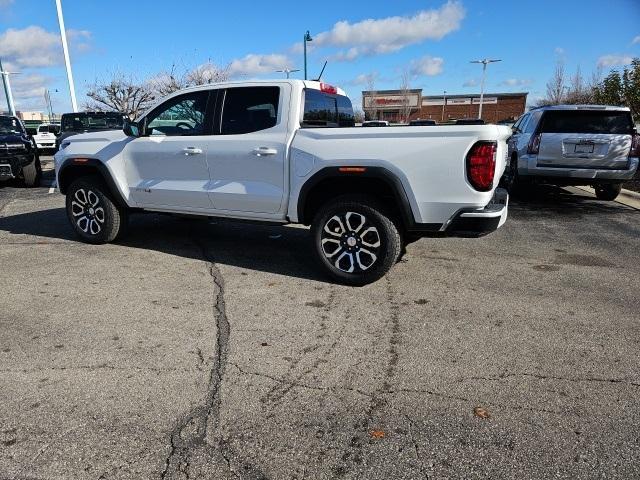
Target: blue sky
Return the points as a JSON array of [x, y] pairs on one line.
[[431, 40]]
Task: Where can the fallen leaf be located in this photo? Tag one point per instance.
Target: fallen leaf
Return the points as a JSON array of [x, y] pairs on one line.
[[377, 434], [481, 412], [264, 344]]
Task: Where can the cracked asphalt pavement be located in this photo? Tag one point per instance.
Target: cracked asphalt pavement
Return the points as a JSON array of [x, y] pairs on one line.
[[196, 349]]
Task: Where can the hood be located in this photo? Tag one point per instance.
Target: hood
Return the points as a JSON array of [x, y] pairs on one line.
[[13, 138]]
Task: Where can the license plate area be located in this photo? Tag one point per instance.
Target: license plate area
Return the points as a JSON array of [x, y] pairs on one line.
[[583, 148]]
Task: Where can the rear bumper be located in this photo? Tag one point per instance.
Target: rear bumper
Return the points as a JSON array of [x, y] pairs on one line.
[[527, 167], [476, 223]]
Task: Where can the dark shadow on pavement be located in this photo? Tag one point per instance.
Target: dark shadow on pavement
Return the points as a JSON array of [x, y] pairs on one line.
[[274, 249]]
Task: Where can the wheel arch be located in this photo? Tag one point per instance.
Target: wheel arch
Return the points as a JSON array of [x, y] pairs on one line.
[[74, 168], [330, 182]]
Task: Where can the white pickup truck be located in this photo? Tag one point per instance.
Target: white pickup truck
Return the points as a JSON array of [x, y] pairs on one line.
[[45, 136], [287, 152]]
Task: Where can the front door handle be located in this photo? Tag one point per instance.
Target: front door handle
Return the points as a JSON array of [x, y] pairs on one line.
[[264, 151], [192, 150]]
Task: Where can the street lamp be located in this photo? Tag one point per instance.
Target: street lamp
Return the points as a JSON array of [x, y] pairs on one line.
[[65, 51], [444, 102], [484, 62], [288, 71], [307, 38]]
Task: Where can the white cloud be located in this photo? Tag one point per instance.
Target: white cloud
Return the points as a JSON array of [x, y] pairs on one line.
[[34, 47], [365, 79], [472, 82], [5, 3], [254, 64], [613, 60], [516, 82], [635, 40], [559, 51], [427, 65], [385, 35]]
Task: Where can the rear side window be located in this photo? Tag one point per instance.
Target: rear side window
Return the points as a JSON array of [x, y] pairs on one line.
[[326, 110], [249, 109], [585, 121]]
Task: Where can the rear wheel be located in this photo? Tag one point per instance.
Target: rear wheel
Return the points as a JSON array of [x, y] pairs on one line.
[[355, 241], [92, 212], [608, 191]]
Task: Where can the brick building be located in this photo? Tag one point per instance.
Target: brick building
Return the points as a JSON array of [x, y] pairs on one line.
[[392, 105]]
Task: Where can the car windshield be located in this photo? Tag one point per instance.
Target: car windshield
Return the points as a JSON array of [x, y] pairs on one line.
[[91, 121], [9, 125]]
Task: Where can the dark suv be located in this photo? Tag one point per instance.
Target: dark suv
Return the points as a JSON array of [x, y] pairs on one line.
[[83, 122], [18, 153], [575, 145]]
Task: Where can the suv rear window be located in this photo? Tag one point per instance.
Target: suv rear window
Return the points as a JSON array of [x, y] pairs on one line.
[[326, 110], [585, 121]]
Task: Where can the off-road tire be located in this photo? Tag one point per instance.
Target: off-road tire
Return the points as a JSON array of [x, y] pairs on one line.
[[32, 173], [608, 191], [89, 198], [378, 234]]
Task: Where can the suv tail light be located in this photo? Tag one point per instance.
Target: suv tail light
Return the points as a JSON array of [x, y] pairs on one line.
[[534, 144], [481, 165], [635, 145]]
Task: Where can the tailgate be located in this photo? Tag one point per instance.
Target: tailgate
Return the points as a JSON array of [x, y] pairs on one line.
[[584, 150]]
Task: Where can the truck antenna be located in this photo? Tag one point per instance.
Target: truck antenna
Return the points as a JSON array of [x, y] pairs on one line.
[[321, 71]]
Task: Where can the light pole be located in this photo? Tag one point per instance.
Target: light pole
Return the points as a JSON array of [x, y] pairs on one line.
[[288, 71], [484, 62], [444, 102], [307, 38], [7, 89], [67, 62]]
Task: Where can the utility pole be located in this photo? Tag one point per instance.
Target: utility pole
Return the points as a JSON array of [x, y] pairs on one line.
[[444, 102], [307, 38], [484, 62], [67, 62], [7, 90]]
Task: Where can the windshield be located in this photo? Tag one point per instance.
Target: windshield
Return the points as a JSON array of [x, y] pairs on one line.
[[10, 125], [79, 122]]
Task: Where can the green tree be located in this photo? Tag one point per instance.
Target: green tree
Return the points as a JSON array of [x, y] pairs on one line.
[[631, 87], [609, 91]]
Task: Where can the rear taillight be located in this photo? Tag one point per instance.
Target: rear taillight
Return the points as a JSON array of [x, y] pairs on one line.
[[635, 145], [481, 165], [534, 144]]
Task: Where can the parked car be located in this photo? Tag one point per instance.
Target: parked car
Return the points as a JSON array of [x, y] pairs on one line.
[[83, 122], [375, 123], [45, 136], [575, 145], [422, 122], [18, 153], [470, 121], [274, 151]]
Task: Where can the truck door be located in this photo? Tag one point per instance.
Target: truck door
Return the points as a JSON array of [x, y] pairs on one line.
[[167, 165], [247, 159]]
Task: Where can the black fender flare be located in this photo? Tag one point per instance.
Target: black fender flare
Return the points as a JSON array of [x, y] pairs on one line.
[[92, 164]]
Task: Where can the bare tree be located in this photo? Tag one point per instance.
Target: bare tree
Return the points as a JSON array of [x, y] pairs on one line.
[[405, 93], [177, 78], [121, 94], [556, 86], [580, 92], [371, 87]]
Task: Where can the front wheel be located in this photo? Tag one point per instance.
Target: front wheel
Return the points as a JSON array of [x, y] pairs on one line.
[[355, 241], [32, 173], [93, 214], [608, 191]]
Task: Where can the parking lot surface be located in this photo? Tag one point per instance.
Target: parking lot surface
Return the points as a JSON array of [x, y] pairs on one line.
[[194, 349]]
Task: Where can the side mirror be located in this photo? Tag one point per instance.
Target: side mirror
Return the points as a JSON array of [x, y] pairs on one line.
[[131, 129]]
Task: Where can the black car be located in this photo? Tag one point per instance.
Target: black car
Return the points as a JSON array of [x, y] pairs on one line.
[[469, 121], [422, 122], [83, 122], [18, 153]]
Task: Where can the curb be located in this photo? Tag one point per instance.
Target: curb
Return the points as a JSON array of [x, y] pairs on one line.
[[626, 197]]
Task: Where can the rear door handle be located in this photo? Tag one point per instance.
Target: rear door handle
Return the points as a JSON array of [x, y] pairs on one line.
[[264, 151], [192, 150]]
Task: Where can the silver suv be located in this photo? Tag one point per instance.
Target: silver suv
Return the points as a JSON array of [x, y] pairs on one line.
[[574, 145]]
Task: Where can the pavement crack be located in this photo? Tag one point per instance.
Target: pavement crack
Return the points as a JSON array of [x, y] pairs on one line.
[[553, 377]]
